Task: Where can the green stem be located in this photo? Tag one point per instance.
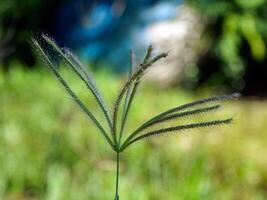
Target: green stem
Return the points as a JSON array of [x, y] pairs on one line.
[[117, 176]]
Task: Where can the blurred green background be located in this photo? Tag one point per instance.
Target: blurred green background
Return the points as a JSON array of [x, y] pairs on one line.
[[49, 150]]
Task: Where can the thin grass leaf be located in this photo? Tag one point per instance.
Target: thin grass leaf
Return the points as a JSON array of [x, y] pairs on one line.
[[90, 80], [78, 69], [171, 117], [70, 92], [193, 104], [136, 76], [82, 68], [183, 114], [131, 97], [132, 90], [128, 94], [203, 101], [168, 113], [177, 128], [148, 54], [137, 81], [76, 62]]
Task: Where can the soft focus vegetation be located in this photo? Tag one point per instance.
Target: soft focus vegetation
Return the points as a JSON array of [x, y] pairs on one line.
[[49, 150], [237, 38], [233, 46]]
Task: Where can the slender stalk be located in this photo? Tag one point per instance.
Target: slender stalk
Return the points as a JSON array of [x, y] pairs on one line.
[[117, 176]]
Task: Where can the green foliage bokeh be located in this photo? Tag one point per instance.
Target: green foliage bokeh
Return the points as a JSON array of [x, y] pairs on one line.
[[235, 29], [49, 150]]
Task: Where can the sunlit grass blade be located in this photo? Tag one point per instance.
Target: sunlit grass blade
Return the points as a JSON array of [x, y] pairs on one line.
[[53, 69], [177, 129], [78, 69], [136, 76]]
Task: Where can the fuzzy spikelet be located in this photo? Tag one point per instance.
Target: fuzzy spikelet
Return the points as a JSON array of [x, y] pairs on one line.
[[178, 128], [129, 95], [181, 114], [83, 75], [166, 118], [69, 90], [167, 114], [82, 68], [134, 79], [202, 101], [194, 104]]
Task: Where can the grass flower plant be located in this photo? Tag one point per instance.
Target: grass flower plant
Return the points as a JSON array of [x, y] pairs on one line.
[[114, 133]]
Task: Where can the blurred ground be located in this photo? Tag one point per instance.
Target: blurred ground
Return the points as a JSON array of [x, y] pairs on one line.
[[49, 150]]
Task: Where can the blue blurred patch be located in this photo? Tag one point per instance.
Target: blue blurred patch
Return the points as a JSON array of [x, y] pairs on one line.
[[103, 32]]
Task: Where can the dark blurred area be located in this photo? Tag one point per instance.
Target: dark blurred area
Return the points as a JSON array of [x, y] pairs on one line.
[[212, 43], [19, 20], [237, 37]]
